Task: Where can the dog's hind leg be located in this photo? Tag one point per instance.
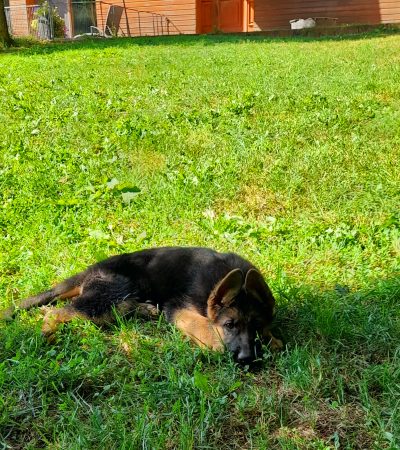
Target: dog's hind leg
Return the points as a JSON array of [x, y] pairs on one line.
[[56, 316], [71, 287], [103, 296]]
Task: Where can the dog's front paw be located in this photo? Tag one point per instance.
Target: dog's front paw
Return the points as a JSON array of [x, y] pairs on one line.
[[275, 344], [147, 310]]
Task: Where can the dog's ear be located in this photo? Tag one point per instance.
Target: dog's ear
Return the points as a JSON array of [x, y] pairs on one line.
[[256, 286], [224, 292]]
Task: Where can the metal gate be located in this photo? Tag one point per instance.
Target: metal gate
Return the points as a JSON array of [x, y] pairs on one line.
[[83, 16]]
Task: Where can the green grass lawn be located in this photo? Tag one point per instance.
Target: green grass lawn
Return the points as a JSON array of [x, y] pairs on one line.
[[284, 151]]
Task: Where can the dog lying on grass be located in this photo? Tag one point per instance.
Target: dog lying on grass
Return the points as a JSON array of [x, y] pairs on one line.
[[219, 300]]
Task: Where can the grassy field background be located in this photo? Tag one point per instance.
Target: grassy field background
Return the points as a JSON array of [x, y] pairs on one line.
[[284, 151]]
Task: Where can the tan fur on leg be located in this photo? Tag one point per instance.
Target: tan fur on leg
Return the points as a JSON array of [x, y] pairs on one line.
[[274, 343], [199, 329], [54, 317], [74, 292]]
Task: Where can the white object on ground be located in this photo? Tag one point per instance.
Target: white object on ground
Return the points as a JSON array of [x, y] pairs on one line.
[[299, 24]]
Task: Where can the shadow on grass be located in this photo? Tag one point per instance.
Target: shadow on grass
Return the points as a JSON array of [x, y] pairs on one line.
[[34, 47], [365, 321]]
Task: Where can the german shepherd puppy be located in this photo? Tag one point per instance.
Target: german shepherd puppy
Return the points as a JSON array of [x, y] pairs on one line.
[[219, 300]]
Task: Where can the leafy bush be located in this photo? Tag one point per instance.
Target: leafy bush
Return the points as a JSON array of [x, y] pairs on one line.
[[45, 11]]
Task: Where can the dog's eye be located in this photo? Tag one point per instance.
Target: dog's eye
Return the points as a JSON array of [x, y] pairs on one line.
[[230, 325]]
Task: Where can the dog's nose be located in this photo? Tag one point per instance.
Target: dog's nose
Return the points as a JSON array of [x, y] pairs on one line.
[[244, 361], [244, 358]]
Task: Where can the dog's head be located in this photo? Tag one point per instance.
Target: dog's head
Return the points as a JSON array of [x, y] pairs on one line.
[[241, 308]]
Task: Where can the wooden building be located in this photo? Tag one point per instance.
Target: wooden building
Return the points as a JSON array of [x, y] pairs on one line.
[[148, 17], [20, 15], [160, 17]]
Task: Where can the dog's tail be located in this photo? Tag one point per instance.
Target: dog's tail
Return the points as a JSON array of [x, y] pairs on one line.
[[71, 287]]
